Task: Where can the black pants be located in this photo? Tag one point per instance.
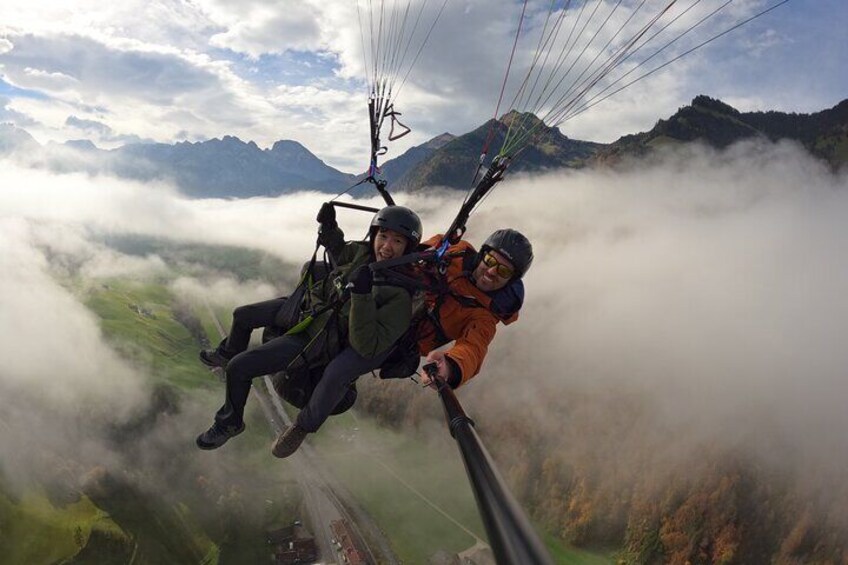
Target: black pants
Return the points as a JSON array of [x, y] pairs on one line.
[[270, 357], [334, 385], [246, 319], [274, 356]]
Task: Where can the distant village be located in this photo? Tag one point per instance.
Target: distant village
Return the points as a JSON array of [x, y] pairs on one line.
[[294, 545]]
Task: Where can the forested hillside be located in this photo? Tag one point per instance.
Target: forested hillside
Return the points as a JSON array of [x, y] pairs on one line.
[[714, 123], [604, 476]]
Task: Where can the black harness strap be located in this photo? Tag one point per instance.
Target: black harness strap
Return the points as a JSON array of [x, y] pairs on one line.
[[393, 115]]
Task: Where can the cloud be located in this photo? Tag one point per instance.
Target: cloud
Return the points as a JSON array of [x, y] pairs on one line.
[[51, 81], [164, 23], [49, 340], [706, 287], [257, 28], [92, 126], [226, 292], [8, 115], [284, 227], [326, 117], [69, 401], [134, 89], [93, 69], [688, 277], [764, 41], [693, 300]]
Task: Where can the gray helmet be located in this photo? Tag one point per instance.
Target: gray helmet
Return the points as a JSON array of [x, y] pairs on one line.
[[512, 245], [400, 219]]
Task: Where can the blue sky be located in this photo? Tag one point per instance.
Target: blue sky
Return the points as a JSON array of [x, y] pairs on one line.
[[165, 70], [7, 89]]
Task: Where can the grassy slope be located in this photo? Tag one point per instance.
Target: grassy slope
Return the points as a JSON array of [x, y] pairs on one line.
[[369, 459], [32, 530], [137, 318]]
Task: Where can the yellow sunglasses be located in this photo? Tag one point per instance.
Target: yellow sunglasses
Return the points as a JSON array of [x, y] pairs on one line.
[[503, 271]]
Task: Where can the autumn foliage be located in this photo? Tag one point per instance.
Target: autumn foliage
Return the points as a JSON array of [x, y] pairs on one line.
[[601, 470]]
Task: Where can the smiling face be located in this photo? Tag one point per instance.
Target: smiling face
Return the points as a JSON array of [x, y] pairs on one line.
[[388, 244], [487, 276]]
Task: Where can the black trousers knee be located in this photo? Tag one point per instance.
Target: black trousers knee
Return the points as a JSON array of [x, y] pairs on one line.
[[246, 319], [344, 369], [270, 357]]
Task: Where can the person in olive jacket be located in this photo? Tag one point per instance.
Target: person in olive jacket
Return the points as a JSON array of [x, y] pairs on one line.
[[365, 316]]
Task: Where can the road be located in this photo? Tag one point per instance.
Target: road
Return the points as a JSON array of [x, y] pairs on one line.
[[326, 500]]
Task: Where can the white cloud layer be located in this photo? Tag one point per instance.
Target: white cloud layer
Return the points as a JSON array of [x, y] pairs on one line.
[[706, 285], [710, 282], [50, 342], [258, 28], [224, 292]]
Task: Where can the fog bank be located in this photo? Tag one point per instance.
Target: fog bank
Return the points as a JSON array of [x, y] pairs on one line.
[[708, 285]]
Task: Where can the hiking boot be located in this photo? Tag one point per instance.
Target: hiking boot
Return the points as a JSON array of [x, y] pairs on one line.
[[213, 358], [216, 436], [288, 441]]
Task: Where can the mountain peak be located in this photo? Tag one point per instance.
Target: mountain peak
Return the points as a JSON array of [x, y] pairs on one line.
[[717, 124], [525, 119], [705, 102], [82, 144], [439, 141], [288, 146]]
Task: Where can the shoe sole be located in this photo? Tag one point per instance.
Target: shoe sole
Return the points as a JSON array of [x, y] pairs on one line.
[[211, 446], [212, 365], [285, 455]]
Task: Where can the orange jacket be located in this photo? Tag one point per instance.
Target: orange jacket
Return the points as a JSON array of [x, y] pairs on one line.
[[467, 321]]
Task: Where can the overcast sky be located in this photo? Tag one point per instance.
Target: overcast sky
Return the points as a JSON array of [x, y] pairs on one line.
[[263, 70]]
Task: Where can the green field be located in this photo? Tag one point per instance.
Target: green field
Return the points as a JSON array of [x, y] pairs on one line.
[[377, 464], [416, 488], [138, 319], [35, 531]]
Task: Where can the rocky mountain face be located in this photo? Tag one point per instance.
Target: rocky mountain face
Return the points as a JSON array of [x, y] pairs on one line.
[[229, 167], [395, 169], [217, 168], [710, 121], [453, 164]]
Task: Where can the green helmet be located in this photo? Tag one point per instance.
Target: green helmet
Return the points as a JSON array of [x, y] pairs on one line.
[[400, 219]]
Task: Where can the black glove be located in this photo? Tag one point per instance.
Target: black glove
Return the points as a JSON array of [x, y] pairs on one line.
[[327, 215], [362, 280]]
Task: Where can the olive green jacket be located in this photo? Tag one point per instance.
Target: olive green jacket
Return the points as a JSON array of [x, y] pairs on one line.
[[370, 323]]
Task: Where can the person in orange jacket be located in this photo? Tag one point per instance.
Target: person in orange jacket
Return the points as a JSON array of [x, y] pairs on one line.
[[480, 290]]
